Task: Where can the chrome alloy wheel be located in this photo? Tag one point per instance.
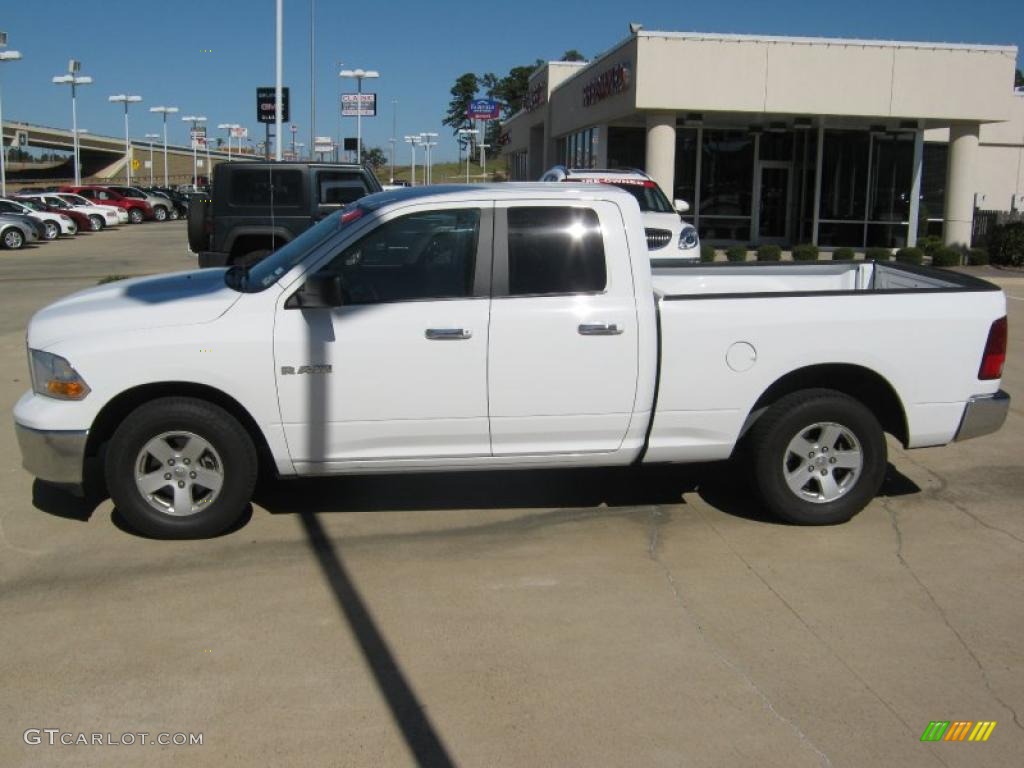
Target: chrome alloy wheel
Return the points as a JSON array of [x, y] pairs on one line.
[[179, 473], [822, 462]]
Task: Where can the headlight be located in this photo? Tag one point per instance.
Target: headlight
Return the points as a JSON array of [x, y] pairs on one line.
[[53, 376], [688, 238]]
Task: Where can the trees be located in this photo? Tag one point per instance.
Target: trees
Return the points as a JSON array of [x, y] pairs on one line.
[[463, 92], [374, 157], [573, 55]]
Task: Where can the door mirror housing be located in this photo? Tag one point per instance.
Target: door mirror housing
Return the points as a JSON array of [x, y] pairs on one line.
[[324, 289], [681, 206]]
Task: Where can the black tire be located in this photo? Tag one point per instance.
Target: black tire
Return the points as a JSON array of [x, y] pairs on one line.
[[95, 223], [135, 216], [51, 230], [12, 239], [160, 213], [250, 258], [173, 214], [198, 210], [232, 448], [831, 494]]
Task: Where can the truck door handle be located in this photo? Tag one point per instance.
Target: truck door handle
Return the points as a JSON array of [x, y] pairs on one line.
[[599, 329], [447, 334]]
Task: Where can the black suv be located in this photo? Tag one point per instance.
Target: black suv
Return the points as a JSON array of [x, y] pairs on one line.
[[257, 207]]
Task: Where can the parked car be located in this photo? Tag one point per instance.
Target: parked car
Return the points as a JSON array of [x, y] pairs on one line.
[[163, 209], [54, 224], [179, 200], [663, 224], [120, 215], [82, 222], [137, 210], [258, 207], [87, 217], [503, 326], [16, 230]]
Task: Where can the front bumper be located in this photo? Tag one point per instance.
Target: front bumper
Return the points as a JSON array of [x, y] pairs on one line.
[[983, 415], [54, 456]]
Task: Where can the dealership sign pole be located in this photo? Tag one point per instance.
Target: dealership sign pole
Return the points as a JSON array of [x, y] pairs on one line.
[[483, 110]]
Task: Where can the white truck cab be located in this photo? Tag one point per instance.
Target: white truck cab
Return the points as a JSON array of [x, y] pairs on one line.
[[502, 326], [669, 238]]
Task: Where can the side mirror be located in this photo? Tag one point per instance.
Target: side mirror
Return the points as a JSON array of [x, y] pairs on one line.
[[682, 206], [324, 289]]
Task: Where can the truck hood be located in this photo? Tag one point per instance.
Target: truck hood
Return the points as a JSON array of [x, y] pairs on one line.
[[182, 298]]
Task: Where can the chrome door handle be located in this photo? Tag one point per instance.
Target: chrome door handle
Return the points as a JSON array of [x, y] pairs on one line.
[[447, 334], [599, 329]]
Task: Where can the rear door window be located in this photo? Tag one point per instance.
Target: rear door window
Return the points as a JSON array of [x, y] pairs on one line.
[[555, 250], [261, 188], [340, 187]]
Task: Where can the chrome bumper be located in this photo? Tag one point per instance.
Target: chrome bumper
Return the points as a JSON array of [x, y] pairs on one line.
[[56, 457], [983, 415]]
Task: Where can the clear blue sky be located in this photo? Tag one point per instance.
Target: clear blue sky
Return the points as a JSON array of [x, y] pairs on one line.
[[155, 48]]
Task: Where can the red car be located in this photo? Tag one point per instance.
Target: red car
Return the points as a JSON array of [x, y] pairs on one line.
[[137, 209], [84, 223]]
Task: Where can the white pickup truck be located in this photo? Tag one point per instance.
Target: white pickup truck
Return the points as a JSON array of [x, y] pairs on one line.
[[505, 326]]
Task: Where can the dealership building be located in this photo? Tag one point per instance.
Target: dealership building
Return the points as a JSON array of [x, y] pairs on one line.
[[789, 140]]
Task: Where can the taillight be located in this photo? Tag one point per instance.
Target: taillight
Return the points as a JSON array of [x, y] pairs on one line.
[[995, 351]]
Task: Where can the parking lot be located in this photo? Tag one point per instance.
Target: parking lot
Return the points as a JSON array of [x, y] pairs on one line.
[[563, 618]]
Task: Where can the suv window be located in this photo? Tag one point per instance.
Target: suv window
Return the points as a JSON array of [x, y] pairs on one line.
[[340, 188], [428, 255], [253, 188], [555, 250]]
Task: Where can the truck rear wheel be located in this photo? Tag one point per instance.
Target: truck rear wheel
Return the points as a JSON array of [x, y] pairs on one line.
[[819, 457], [180, 468]]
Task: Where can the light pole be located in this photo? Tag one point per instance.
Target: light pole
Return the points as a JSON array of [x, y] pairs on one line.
[[165, 111], [393, 140], [428, 171], [467, 132], [73, 79], [122, 98], [195, 120], [278, 87], [359, 75], [152, 136], [412, 141], [4, 56]]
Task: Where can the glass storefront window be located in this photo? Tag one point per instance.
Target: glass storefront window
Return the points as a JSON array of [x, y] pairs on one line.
[[844, 176], [933, 182], [891, 171], [686, 167], [627, 147], [727, 174], [776, 145], [725, 228]]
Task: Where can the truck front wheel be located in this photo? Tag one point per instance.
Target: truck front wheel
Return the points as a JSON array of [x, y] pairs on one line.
[[180, 468], [819, 457]]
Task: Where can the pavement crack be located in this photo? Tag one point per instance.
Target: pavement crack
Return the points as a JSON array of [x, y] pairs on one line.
[[657, 519], [894, 519]]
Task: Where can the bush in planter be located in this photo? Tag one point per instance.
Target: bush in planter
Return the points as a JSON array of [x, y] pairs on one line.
[[1006, 244], [977, 257], [736, 253], [910, 255], [707, 252], [946, 257], [769, 253], [878, 254], [805, 252], [843, 254], [930, 245]]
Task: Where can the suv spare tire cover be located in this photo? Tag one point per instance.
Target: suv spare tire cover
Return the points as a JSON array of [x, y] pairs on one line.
[[198, 210]]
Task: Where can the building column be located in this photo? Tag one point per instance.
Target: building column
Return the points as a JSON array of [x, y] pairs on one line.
[[661, 150], [963, 154], [915, 188]]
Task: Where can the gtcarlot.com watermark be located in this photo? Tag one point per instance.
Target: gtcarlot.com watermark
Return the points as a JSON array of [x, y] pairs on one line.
[[56, 737]]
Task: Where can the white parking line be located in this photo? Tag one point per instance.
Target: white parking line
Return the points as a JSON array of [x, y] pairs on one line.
[[1015, 298]]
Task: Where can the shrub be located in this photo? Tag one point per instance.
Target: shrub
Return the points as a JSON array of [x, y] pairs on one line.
[[805, 252], [910, 255], [946, 257], [977, 257], [707, 252], [1006, 244], [769, 253], [878, 254], [843, 254], [736, 253], [930, 245]]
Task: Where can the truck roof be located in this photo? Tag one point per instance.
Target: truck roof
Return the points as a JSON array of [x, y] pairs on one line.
[[523, 190]]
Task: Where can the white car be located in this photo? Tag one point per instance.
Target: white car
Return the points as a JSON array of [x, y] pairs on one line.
[[55, 224], [498, 327], [98, 218], [120, 214], [668, 236]]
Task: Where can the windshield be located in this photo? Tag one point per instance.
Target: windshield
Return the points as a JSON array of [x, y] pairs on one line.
[[267, 272], [75, 199], [32, 204], [647, 193]]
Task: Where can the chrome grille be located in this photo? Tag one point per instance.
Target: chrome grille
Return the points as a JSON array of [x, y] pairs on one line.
[[657, 238]]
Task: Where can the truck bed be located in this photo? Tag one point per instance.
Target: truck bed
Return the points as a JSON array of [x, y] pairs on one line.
[[805, 279]]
